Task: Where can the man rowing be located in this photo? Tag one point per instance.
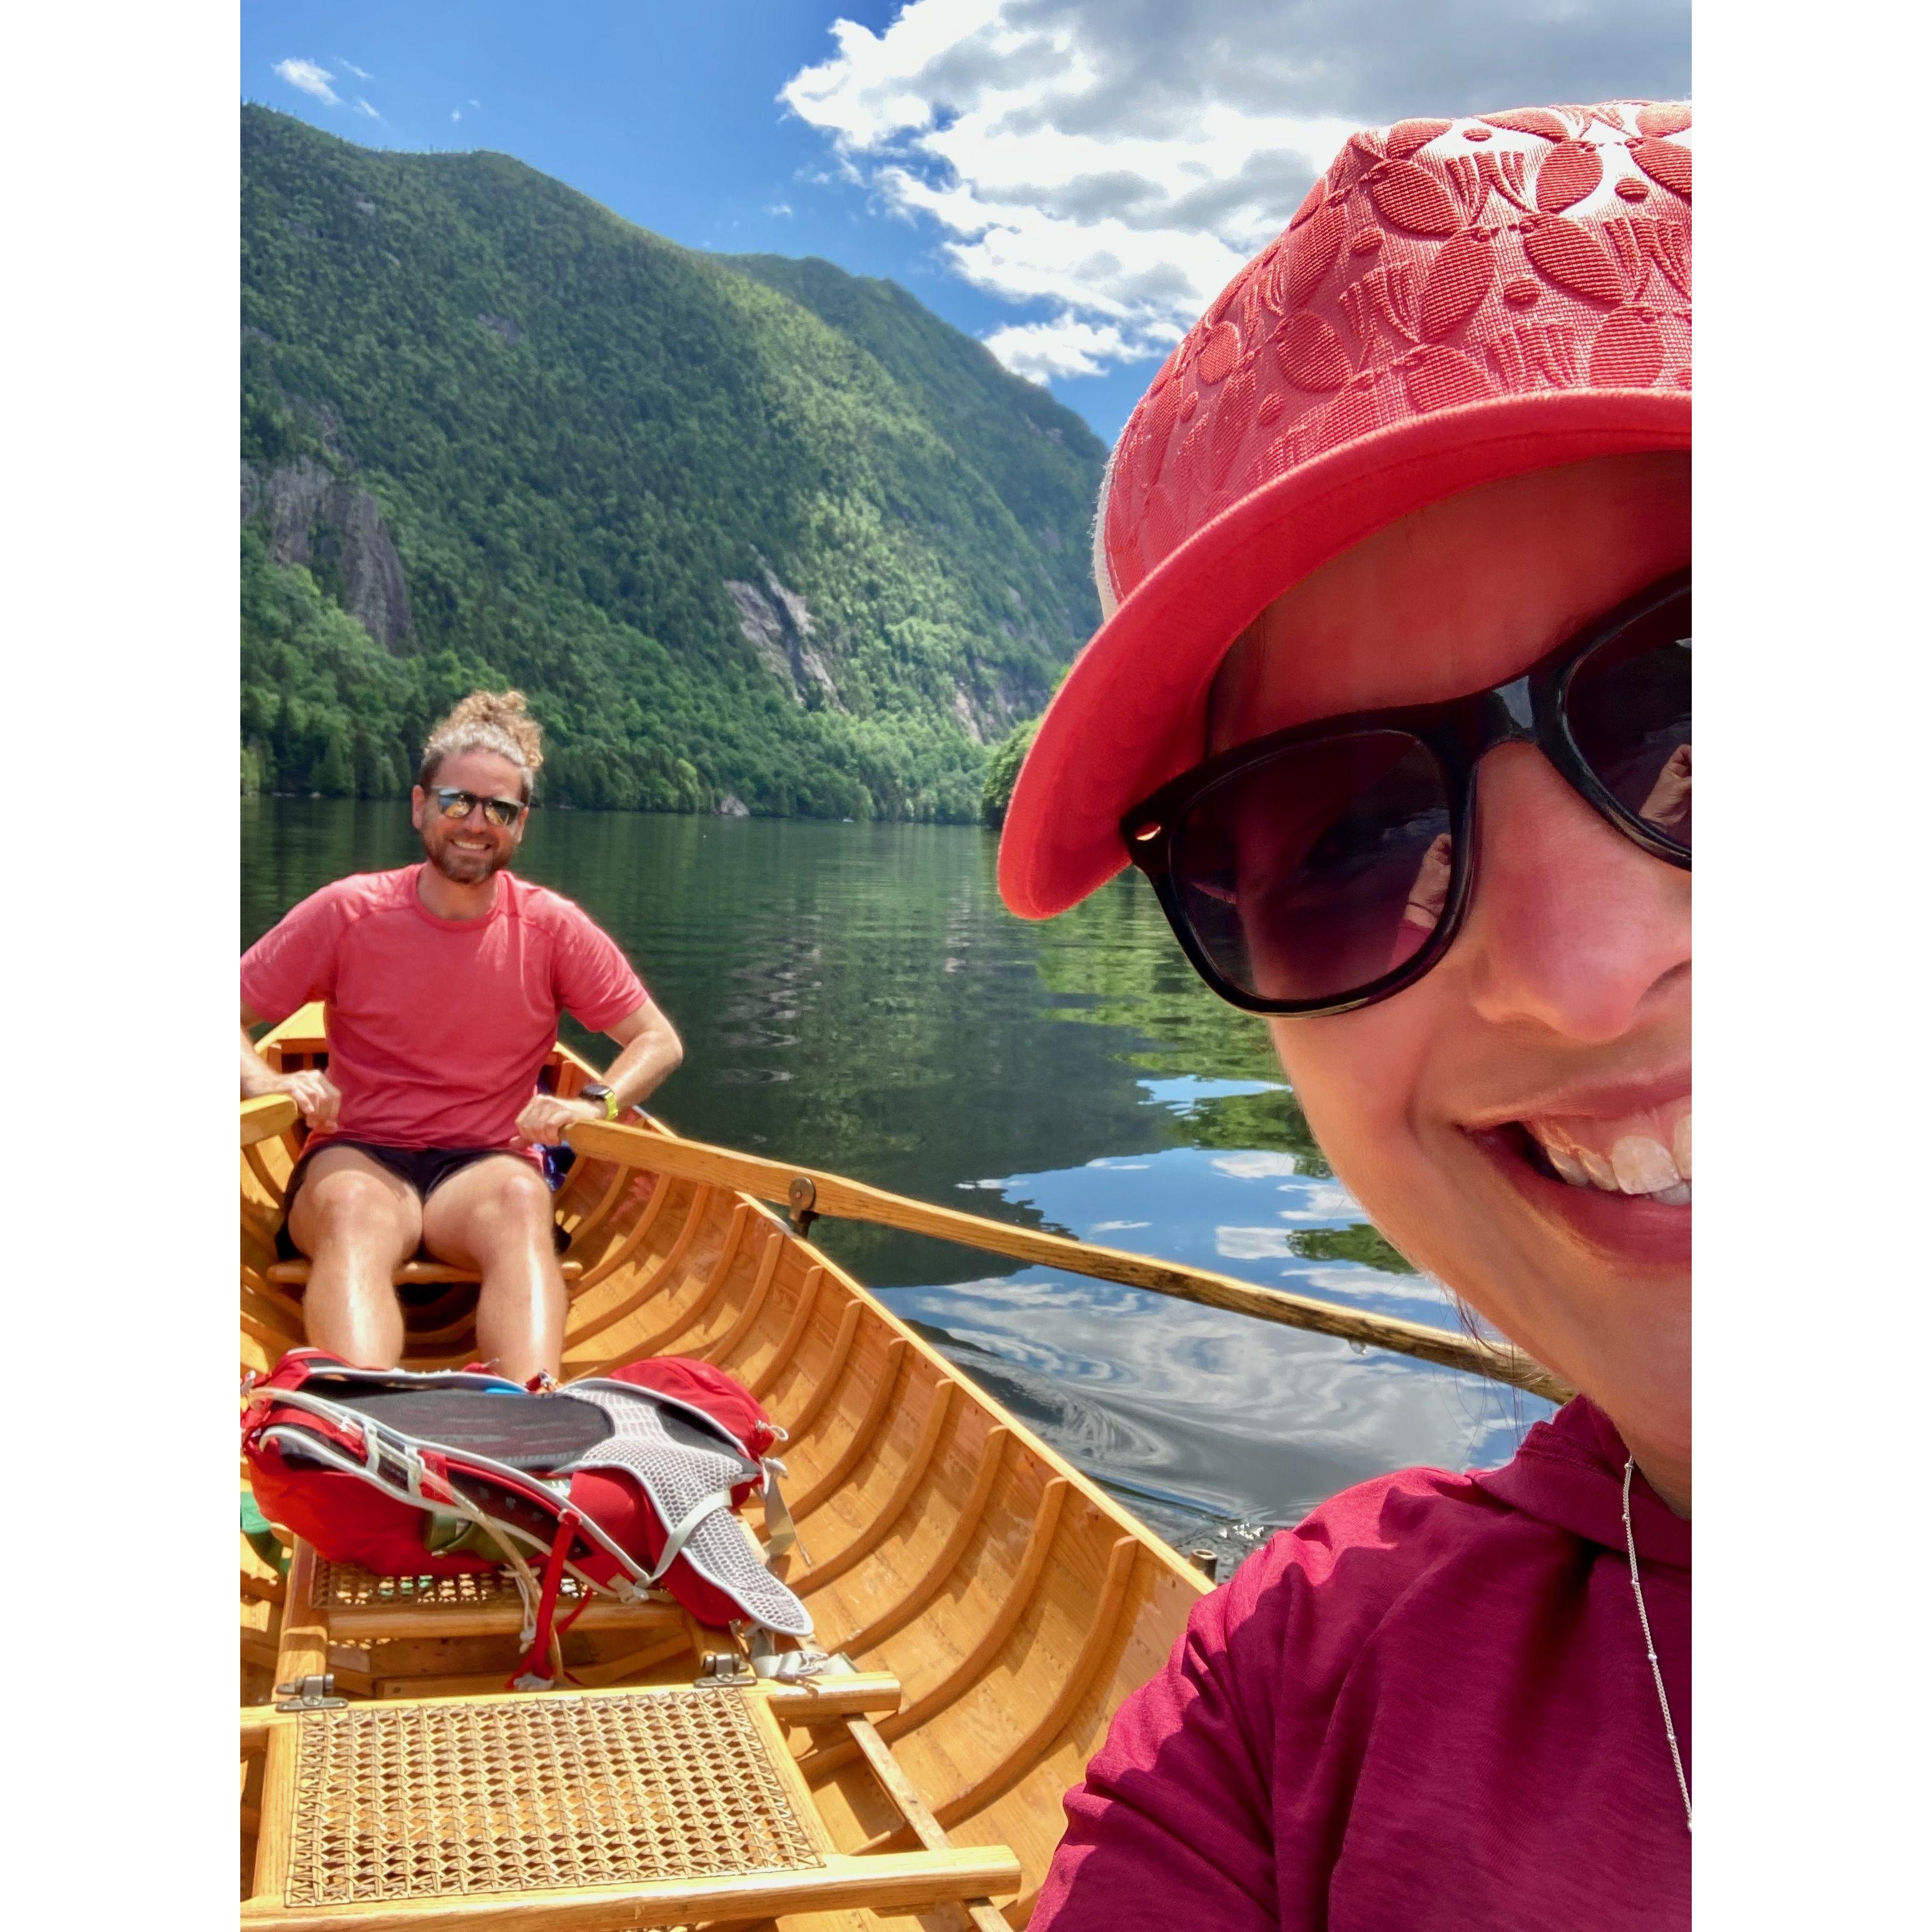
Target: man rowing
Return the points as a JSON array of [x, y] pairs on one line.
[[443, 984]]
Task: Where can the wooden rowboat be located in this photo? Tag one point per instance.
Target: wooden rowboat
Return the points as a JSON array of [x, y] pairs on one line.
[[995, 1605]]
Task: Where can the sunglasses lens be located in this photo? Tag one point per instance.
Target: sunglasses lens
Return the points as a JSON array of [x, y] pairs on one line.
[[1629, 710], [500, 812], [454, 804], [1320, 871]]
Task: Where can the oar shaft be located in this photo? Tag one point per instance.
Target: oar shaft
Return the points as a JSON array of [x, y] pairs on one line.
[[848, 1200]]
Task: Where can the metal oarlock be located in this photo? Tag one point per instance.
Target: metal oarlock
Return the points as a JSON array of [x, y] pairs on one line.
[[803, 1196]]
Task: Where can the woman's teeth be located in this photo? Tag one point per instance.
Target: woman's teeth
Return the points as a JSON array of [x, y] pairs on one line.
[[1649, 1156], [1643, 1166]]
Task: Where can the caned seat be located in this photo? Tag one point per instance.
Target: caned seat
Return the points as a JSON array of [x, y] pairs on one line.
[[601, 1806], [361, 1607], [587, 1810]]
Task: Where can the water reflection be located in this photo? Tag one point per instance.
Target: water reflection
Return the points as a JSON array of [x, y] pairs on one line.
[[855, 997]]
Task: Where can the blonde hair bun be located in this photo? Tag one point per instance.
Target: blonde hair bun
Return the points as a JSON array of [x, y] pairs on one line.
[[496, 722]]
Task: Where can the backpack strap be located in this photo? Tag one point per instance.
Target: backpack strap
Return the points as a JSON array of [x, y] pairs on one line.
[[545, 1641], [689, 1487], [781, 1532]]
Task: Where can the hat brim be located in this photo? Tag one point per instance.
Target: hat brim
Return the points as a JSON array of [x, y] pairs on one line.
[[1131, 713]]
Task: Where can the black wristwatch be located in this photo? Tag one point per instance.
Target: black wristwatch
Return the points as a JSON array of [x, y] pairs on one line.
[[605, 1096]]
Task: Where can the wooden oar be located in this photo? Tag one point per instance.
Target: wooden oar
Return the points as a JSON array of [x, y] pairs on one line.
[[266, 1117], [807, 1191]]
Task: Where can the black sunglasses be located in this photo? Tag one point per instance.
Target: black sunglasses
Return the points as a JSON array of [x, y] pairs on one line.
[[454, 804], [1323, 868]]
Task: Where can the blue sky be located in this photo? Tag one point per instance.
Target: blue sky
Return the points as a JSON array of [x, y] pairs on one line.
[[1071, 181]]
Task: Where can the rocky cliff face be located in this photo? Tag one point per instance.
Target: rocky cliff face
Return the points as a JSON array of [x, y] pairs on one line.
[[779, 628], [312, 517]]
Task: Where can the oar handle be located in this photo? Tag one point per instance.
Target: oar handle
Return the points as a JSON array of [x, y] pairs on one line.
[[843, 1199], [266, 1117]]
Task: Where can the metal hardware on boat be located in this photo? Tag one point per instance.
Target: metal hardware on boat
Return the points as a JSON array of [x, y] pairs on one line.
[[765, 1660], [803, 1196], [723, 1668], [1205, 1558], [311, 1693]]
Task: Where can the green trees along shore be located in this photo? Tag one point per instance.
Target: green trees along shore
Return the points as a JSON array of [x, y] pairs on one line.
[[753, 534]]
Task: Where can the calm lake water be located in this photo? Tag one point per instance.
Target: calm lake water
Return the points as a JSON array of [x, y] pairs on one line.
[[856, 997]]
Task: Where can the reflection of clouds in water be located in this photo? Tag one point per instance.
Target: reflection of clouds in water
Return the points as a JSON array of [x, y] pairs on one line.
[[1251, 1244], [1210, 1412], [1188, 1411], [1322, 1200], [1258, 1165], [1002, 1345], [1231, 1212], [1429, 1299]]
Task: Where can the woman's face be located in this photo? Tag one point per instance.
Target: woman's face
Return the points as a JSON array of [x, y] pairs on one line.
[[1562, 1011]]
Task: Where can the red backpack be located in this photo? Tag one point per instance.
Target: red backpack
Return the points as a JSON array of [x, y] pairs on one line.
[[628, 1483]]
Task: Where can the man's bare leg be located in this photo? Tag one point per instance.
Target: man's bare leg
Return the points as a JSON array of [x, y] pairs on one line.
[[356, 1222], [496, 1216]]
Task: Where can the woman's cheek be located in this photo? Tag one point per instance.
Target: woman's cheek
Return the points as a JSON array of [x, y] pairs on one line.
[[1356, 1075]]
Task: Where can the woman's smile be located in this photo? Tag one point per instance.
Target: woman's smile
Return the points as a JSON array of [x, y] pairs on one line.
[[1646, 1154], [1615, 1182], [1631, 1140]]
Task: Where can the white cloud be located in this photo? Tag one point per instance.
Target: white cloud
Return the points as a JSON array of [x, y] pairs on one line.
[[778, 208], [1116, 161], [349, 66], [363, 107], [310, 78], [1065, 346], [456, 114], [476, 104]]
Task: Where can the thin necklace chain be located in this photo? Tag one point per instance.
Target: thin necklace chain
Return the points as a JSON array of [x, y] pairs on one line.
[[1650, 1643]]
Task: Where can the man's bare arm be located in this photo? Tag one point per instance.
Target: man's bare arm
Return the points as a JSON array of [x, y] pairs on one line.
[[314, 1093], [652, 1052]]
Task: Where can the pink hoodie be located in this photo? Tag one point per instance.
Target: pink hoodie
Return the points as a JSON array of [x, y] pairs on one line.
[[1428, 1707]]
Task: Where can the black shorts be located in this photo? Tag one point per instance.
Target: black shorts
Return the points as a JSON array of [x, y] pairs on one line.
[[424, 1169]]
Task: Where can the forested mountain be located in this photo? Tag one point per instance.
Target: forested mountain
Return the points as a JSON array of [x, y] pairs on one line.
[[750, 531]]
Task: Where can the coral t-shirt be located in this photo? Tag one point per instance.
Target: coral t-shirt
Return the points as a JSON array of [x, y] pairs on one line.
[[1427, 1708], [438, 1027]]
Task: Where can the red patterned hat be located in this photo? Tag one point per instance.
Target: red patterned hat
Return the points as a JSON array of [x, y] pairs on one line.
[[1456, 302]]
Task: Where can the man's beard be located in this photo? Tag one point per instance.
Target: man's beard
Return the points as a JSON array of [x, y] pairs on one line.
[[461, 868]]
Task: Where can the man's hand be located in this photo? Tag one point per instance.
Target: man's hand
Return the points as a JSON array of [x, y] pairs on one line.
[[544, 1117], [318, 1097], [1668, 807]]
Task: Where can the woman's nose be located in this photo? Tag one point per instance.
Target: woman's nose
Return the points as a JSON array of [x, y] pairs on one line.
[[1573, 926]]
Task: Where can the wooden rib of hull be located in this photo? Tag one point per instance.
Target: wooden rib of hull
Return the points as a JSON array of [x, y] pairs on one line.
[[1016, 1603]]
